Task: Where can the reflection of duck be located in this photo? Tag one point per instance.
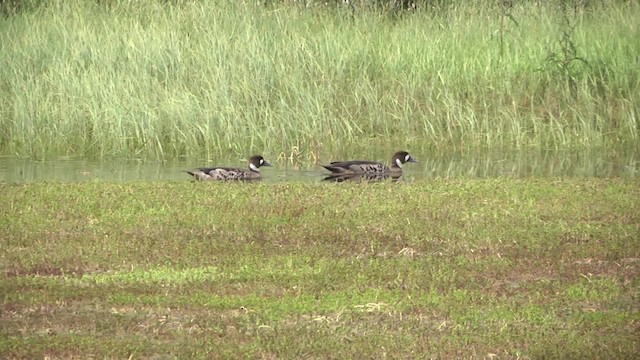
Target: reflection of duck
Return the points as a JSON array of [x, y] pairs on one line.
[[360, 178], [228, 173], [371, 167]]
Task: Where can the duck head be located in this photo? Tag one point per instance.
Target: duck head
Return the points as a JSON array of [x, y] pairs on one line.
[[402, 157], [256, 161]]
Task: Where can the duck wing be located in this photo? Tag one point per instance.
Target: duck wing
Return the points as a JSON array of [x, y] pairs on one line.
[[356, 167], [222, 173]]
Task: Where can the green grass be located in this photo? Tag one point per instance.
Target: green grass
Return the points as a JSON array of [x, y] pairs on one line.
[[153, 79], [531, 268]]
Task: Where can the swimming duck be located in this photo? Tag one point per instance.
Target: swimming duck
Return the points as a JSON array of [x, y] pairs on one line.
[[371, 167], [229, 173]]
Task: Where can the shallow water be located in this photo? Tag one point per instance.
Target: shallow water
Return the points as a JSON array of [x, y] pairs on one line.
[[516, 164]]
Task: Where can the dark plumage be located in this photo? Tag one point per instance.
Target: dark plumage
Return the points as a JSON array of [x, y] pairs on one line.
[[229, 173], [371, 167], [363, 178]]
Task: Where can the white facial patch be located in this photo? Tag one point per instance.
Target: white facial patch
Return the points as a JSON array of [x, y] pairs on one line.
[[399, 163], [254, 168], [407, 157], [261, 161]]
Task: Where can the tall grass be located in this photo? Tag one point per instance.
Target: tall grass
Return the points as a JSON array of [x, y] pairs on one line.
[[153, 79]]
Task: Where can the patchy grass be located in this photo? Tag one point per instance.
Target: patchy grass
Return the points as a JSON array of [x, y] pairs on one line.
[[532, 268]]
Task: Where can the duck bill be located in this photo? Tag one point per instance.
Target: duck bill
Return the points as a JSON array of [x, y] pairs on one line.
[[266, 163]]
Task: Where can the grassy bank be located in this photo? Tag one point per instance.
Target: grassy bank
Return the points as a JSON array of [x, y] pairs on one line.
[[163, 79], [523, 269]]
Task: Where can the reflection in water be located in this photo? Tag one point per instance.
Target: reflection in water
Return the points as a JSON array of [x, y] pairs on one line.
[[517, 164], [360, 178]]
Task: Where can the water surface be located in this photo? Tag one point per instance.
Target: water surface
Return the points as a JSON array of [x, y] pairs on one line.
[[445, 164]]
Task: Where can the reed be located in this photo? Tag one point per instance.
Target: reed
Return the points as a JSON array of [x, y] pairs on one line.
[[158, 80]]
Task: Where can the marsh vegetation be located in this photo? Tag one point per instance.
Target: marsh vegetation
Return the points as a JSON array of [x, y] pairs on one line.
[[470, 259], [160, 79]]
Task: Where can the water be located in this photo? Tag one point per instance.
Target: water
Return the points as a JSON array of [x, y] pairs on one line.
[[487, 164]]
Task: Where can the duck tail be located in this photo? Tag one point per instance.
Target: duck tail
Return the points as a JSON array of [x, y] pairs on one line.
[[334, 169], [194, 174]]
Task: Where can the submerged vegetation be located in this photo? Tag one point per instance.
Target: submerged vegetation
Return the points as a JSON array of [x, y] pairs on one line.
[[495, 268], [159, 79]]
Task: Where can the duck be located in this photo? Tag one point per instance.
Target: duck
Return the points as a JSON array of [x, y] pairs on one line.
[[363, 178], [371, 167], [230, 173]]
